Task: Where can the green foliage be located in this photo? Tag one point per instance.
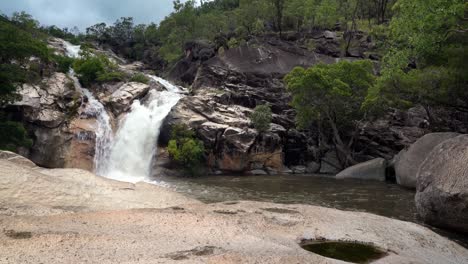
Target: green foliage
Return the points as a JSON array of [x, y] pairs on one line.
[[13, 135], [92, 68], [18, 45], [141, 78], [334, 91], [332, 97], [163, 44], [261, 118], [64, 63], [427, 59], [112, 76], [185, 149]]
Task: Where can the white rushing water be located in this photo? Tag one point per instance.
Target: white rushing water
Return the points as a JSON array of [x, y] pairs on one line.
[[128, 155], [94, 108], [135, 143]]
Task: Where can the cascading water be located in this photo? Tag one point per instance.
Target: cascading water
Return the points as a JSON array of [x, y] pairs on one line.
[[135, 143], [94, 108], [128, 155]]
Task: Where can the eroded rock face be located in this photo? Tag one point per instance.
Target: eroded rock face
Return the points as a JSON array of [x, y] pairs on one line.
[[48, 103], [442, 185], [52, 114], [409, 161]]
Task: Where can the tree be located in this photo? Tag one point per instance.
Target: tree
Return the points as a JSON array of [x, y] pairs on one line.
[[427, 59], [331, 96], [261, 118], [279, 12], [185, 149], [17, 46], [13, 135], [250, 13]]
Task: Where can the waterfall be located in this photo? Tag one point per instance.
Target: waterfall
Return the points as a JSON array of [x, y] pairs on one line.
[[135, 143], [128, 155], [94, 108]]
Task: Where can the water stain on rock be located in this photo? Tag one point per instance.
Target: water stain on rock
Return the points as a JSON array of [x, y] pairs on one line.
[[198, 251], [177, 208], [226, 212], [18, 234], [280, 210]]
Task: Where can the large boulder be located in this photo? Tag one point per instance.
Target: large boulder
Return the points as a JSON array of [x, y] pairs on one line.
[[442, 185], [369, 170], [16, 159], [122, 99], [408, 162]]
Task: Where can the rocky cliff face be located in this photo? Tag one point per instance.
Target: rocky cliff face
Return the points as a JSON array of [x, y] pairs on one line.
[[227, 86], [49, 110]]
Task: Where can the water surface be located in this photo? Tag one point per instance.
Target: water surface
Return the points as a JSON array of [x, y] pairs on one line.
[[386, 199]]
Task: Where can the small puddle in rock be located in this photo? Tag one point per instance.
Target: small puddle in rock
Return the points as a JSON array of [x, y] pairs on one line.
[[347, 251]]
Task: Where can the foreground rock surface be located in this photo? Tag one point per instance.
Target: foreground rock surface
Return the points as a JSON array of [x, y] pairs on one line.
[[40, 191], [442, 186], [71, 216], [408, 163]]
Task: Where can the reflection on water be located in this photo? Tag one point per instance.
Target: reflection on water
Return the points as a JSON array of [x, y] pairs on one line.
[[380, 198]]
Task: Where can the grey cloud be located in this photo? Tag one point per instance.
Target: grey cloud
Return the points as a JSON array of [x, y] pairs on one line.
[[83, 13]]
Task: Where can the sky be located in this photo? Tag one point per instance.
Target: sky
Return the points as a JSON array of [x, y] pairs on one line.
[[84, 13]]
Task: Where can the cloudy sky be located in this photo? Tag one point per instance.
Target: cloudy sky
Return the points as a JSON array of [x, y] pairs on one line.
[[83, 13]]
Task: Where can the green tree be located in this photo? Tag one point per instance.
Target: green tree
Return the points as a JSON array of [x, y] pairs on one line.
[[92, 68], [185, 149], [427, 59], [261, 118], [17, 46], [13, 135], [331, 96]]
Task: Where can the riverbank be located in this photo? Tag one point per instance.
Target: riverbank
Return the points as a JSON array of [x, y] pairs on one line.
[[40, 224]]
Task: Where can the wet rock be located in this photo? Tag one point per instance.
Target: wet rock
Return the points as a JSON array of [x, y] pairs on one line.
[[122, 99], [442, 185], [257, 172], [313, 167], [370, 170], [409, 161], [299, 169]]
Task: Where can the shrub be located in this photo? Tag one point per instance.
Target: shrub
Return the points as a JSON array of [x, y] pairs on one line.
[[261, 118], [93, 68], [185, 149], [13, 135], [114, 76], [141, 78], [63, 63]]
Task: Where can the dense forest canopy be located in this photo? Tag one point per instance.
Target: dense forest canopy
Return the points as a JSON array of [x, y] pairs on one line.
[[221, 20]]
